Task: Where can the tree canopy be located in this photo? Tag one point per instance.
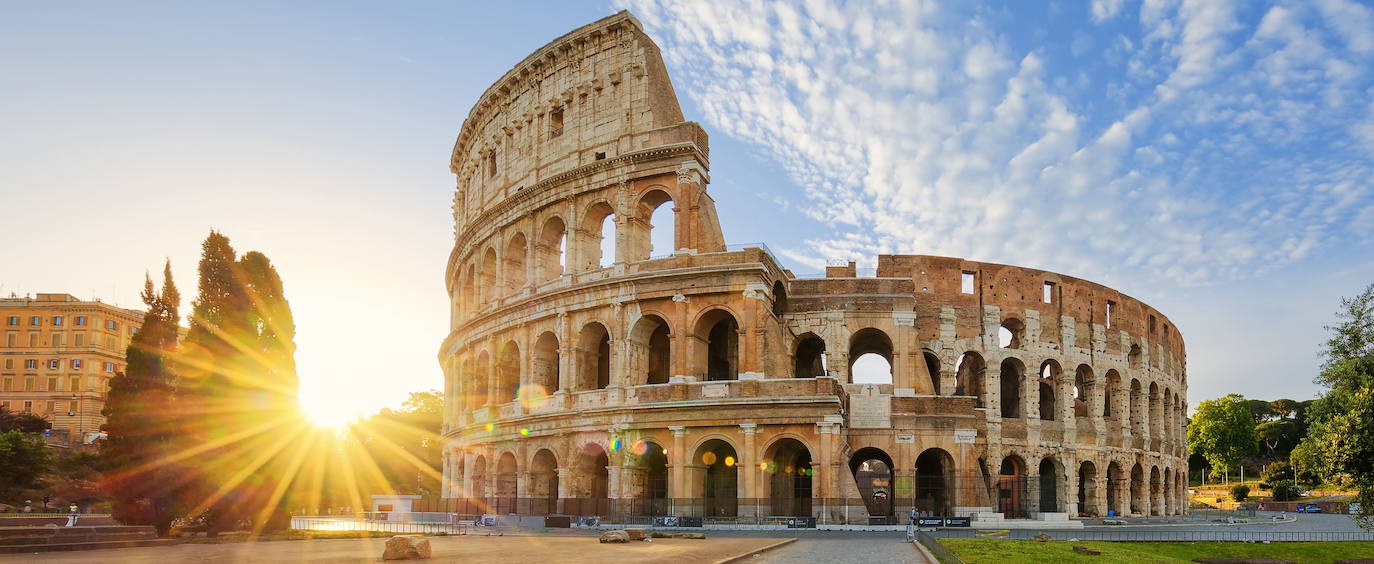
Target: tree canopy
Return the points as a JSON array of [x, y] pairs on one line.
[[1223, 431]]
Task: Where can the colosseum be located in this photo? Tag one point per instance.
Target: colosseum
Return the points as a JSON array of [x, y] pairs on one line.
[[591, 373]]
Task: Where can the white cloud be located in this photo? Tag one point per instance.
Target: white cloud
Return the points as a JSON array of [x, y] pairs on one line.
[[1106, 9], [917, 128]]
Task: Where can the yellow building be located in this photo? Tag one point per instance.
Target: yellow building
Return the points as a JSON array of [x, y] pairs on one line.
[[57, 356]]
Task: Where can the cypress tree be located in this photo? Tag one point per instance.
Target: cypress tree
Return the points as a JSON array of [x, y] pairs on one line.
[[140, 417]]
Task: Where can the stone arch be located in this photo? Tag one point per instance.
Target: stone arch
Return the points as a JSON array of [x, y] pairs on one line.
[[870, 341], [596, 222], [1136, 417], [787, 468], [809, 356], [481, 394], [646, 463], [935, 483], [590, 477], [1012, 334], [715, 463], [468, 297], [479, 480], [933, 369], [717, 334], [507, 373], [1082, 390], [874, 472], [651, 350], [1051, 481], [543, 483], [517, 248], [1111, 393], [1013, 373], [970, 374], [1117, 484], [1048, 386], [507, 484], [1134, 357], [779, 298], [594, 357], [656, 234], [487, 288], [551, 249], [1088, 494], [1156, 490], [1152, 410], [1011, 487], [1137, 490], [545, 367]]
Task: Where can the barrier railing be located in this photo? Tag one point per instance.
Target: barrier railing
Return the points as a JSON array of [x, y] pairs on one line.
[[1129, 535]]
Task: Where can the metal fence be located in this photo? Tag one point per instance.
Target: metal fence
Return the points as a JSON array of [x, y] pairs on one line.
[[1128, 535], [944, 555], [327, 523]]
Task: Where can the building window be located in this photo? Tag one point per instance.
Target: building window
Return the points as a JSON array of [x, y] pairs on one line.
[[1110, 306], [76, 364], [54, 364], [78, 339], [58, 339], [52, 406], [109, 367], [966, 282], [1049, 292], [31, 364], [29, 383], [13, 320], [80, 321], [52, 384], [111, 324], [555, 123], [7, 383], [9, 363], [35, 321], [75, 384], [57, 321], [28, 407], [9, 339], [33, 340]]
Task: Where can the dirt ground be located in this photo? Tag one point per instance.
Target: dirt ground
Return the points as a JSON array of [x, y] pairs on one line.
[[517, 549]]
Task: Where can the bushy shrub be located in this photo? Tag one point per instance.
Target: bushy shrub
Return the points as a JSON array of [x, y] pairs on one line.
[[1239, 492], [1274, 473], [1286, 490]]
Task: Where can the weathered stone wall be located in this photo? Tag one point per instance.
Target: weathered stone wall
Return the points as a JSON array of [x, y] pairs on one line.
[[576, 378]]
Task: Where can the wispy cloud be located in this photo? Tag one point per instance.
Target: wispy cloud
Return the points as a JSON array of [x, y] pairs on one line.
[[1223, 143]]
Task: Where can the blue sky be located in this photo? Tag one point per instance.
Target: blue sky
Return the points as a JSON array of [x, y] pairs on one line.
[[1211, 158]]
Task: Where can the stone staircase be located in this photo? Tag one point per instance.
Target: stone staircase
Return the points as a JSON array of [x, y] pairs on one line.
[[18, 540]]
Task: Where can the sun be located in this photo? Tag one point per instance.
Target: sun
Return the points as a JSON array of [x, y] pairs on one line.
[[322, 412]]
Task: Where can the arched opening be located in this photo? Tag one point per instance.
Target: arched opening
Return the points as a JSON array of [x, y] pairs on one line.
[[718, 466], [591, 482], [479, 481], [720, 356], [480, 389], [508, 373], [968, 376], [648, 469], [651, 345], [468, 297], [872, 470], [1134, 357], [787, 467], [507, 484], [543, 483], [598, 231], [1049, 486], [1137, 418], [935, 483], [552, 249], [1011, 487], [1152, 410], [545, 365], [779, 298], [487, 289], [1115, 483], [594, 356], [870, 357], [1137, 489], [1087, 489], [1012, 333], [1166, 495], [810, 357], [1049, 379], [933, 369], [1156, 490], [1012, 374], [1111, 393], [1082, 390], [659, 234], [516, 250]]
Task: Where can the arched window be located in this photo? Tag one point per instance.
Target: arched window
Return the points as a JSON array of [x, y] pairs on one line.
[[968, 376], [933, 368], [480, 373], [657, 236], [719, 358], [487, 288], [1082, 390], [652, 350], [508, 373], [779, 298], [1012, 333], [1049, 390], [1111, 394], [870, 357], [1012, 373], [810, 357], [516, 250], [552, 249], [545, 366], [597, 249], [594, 356]]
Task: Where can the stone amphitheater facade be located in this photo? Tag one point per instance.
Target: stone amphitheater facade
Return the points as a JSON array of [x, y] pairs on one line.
[[708, 380]]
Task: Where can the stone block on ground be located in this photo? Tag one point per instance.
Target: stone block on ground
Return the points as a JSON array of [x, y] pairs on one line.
[[615, 536], [689, 536], [636, 534], [1086, 550], [409, 547]]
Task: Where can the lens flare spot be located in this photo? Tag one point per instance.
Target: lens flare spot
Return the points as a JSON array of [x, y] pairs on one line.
[[617, 445], [640, 448], [709, 458], [490, 427], [729, 460], [532, 396], [525, 432]]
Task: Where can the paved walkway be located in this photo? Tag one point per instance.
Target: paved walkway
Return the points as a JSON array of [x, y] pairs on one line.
[[843, 550]]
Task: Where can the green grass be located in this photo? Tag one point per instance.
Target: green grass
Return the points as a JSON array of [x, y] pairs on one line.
[[996, 551]]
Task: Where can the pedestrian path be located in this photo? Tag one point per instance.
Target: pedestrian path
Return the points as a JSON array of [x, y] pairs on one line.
[[841, 550]]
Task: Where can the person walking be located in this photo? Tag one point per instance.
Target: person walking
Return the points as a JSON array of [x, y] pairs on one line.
[[71, 515]]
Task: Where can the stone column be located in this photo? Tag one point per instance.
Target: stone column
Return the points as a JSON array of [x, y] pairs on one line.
[[677, 458], [748, 470]]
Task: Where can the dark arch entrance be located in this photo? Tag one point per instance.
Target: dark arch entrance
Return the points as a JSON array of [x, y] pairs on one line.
[[591, 482], [1049, 486], [543, 493], [787, 465], [810, 357], [1011, 487], [1087, 489], [648, 465], [719, 469], [935, 483], [872, 470]]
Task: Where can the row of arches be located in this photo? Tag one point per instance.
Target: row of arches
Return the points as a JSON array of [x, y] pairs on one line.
[[1012, 335], [507, 264]]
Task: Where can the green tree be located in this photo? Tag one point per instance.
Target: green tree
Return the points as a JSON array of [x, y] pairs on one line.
[[1307, 463], [1260, 410], [23, 461], [1279, 435], [22, 421], [141, 420], [405, 443], [1285, 408], [1240, 492], [1223, 431], [1347, 448]]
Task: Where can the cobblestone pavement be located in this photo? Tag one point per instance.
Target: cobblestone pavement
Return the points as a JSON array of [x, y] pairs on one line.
[[844, 549]]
